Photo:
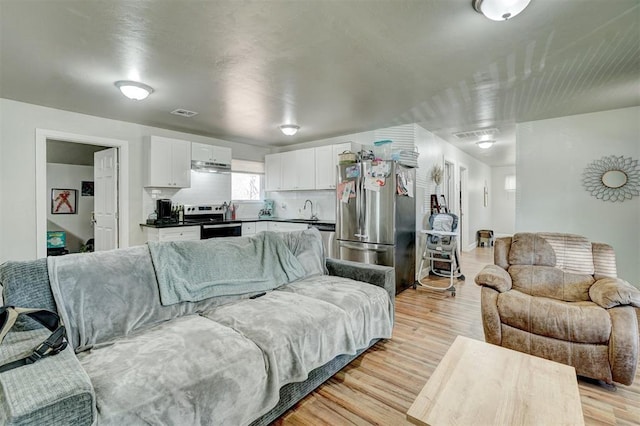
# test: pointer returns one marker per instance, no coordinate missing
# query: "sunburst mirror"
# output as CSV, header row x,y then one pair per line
x,y
613,178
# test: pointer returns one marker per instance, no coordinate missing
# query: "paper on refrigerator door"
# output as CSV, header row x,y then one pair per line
x,y
374,183
345,191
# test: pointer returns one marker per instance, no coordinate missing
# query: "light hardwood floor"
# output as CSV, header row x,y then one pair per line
x,y
380,386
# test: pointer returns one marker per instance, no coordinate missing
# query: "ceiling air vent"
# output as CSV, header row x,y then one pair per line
x,y
476,133
184,112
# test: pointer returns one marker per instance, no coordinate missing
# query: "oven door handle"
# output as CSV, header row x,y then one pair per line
x,y
224,225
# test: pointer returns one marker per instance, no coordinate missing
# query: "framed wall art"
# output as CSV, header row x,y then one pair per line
x,y
86,189
64,201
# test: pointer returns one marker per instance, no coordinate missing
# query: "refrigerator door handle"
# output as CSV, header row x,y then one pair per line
x,y
358,206
361,235
363,206
359,247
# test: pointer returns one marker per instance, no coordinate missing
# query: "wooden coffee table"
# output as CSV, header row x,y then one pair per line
x,y
477,383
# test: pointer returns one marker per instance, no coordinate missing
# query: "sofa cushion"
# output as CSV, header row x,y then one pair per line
x,y
26,285
580,322
589,360
546,281
307,247
186,371
604,261
53,391
295,332
368,307
109,294
570,253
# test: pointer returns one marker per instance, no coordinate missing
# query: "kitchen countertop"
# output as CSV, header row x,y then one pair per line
x,y
308,221
272,219
169,225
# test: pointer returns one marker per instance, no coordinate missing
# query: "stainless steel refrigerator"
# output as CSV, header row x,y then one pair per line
x,y
376,217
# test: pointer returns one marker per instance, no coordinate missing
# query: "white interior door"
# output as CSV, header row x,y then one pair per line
x,y
463,202
105,174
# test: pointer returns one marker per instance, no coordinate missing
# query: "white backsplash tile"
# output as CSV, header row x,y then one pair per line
x,y
290,204
206,188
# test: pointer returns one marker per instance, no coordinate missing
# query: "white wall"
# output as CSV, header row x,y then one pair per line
x,y
17,165
68,176
503,203
551,157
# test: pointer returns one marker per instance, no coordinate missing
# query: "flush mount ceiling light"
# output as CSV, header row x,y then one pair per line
x,y
289,129
500,10
133,89
485,144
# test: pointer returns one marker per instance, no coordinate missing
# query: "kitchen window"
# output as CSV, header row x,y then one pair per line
x,y
247,180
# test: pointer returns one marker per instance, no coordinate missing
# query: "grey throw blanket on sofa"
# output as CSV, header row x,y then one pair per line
x,y
190,271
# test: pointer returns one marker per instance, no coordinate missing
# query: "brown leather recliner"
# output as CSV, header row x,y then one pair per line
x,y
557,296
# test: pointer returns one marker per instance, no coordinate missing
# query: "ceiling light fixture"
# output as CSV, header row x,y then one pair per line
x,y
289,129
133,89
500,10
485,144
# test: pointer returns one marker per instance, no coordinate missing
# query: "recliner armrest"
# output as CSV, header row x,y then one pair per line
x,y
495,277
610,292
381,276
54,390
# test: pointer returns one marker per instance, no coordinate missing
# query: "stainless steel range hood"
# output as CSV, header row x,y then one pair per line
x,y
209,167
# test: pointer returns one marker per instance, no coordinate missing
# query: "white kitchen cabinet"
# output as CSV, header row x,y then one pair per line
x,y
273,172
250,228
298,169
289,174
168,162
325,168
177,233
210,153
286,226
327,161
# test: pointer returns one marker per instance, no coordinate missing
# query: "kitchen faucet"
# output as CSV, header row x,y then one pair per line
x,y
313,215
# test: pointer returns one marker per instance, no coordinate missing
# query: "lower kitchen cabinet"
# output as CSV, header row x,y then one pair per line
x,y
178,233
286,226
250,228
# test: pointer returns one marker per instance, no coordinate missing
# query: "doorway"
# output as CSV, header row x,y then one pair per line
x,y
71,183
61,147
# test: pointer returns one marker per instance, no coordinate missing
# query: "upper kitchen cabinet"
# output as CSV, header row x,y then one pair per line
x,y
290,171
168,162
327,161
210,153
299,169
273,172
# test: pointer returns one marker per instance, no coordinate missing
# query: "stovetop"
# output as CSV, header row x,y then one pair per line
x,y
204,213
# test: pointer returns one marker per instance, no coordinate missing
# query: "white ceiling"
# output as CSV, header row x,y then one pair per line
x,y
333,67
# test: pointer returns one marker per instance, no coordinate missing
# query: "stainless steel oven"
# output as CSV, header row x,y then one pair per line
x,y
211,220
217,230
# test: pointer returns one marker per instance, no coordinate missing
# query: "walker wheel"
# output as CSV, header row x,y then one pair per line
x,y
461,278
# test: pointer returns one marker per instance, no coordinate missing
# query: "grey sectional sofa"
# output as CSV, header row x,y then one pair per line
x,y
150,345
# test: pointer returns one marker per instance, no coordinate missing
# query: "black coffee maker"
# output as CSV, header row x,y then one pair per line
x,y
163,209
